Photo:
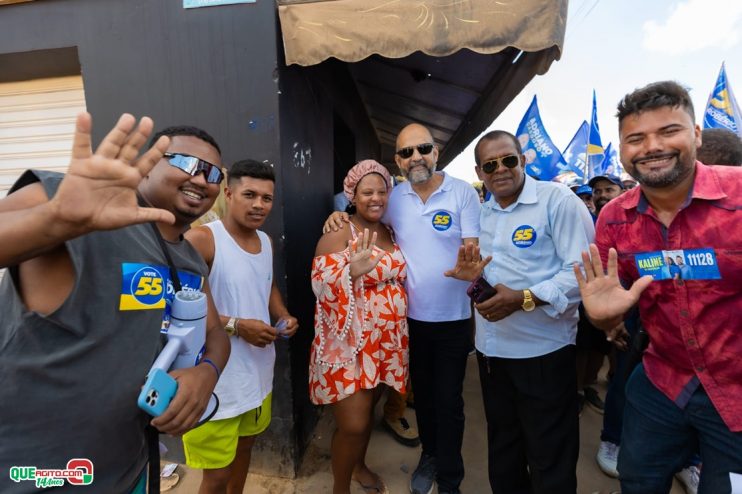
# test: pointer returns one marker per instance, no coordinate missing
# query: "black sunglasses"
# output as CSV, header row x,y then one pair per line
x,y
193,166
423,149
509,161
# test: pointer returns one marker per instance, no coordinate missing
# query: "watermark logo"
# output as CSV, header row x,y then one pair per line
x,y
79,471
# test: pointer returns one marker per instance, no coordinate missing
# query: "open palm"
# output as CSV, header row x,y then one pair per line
x,y
602,294
99,190
469,263
362,256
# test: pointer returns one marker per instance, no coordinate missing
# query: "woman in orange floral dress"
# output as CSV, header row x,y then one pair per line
x,y
360,324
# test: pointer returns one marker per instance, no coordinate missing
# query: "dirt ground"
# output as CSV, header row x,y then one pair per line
x,y
395,462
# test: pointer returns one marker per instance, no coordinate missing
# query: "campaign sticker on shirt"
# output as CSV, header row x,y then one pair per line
x,y
689,264
442,220
146,286
143,287
524,236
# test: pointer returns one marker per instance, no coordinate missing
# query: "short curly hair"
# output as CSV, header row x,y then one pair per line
x,y
654,96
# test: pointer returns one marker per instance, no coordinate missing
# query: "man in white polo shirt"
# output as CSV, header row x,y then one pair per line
x,y
431,214
534,231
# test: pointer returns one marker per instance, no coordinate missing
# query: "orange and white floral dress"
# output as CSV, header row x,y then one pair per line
x,y
361,333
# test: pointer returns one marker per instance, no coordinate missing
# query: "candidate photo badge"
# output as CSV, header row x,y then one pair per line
x,y
687,264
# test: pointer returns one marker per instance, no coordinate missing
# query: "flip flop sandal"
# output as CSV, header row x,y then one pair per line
x,y
378,488
167,483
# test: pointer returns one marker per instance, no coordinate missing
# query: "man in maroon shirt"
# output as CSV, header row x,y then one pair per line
x,y
687,394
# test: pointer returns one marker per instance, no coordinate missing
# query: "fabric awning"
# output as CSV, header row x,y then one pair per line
x,y
352,30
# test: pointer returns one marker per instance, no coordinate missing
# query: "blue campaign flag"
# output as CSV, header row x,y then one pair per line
x,y
722,110
611,163
595,151
542,156
574,168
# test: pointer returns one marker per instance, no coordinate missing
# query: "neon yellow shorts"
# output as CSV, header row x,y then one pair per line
x,y
214,444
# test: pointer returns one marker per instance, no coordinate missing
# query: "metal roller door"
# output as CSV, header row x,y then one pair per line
x,y
37,122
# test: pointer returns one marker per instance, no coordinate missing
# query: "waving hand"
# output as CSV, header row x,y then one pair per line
x,y
362,256
99,190
605,300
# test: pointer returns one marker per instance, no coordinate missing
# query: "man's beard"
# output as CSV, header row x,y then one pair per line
x,y
187,216
419,174
661,179
599,205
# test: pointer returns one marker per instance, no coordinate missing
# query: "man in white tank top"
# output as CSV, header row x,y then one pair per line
x,y
240,259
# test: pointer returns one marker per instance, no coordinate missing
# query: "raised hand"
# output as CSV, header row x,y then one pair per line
x,y
99,189
469,263
362,257
605,300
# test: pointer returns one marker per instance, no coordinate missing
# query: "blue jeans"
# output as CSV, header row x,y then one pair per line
x,y
659,437
615,398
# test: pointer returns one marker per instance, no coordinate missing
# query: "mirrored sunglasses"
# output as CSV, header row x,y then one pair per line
x,y
423,149
193,166
509,161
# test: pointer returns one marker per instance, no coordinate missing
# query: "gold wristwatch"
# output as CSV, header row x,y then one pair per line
x,y
231,327
528,303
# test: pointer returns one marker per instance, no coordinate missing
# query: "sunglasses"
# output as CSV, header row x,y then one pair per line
x,y
509,161
193,166
423,149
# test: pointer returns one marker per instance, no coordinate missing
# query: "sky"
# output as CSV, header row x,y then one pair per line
x,y
616,46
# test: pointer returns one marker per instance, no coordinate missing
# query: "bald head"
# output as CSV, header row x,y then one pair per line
x,y
416,130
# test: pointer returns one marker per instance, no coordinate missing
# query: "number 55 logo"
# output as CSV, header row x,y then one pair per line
x,y
147,286
524,236
442,221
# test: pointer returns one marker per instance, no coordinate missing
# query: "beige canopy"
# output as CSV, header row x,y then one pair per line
x,y
352,30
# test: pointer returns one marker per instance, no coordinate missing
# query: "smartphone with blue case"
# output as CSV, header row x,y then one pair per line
x,y
157,393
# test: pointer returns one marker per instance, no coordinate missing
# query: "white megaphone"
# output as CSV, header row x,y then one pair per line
x,y
186,337
186,334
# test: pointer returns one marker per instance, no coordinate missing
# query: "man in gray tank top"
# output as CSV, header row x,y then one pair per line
x,y
83,303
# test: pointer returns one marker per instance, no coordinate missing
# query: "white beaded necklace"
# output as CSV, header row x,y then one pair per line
x,y
343,333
